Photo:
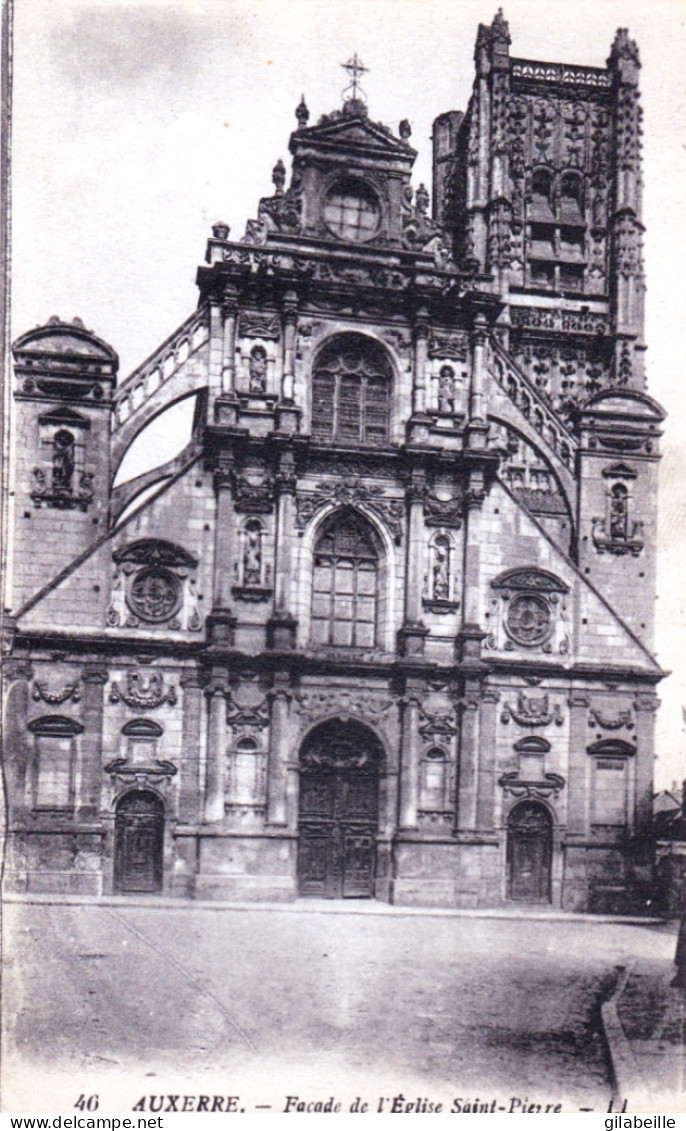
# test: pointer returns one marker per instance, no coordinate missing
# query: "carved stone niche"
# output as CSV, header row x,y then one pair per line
x,y
154,583
528,611
140,767
143,691
530,780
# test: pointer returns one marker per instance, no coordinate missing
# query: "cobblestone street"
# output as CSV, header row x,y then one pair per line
x,y
129,1000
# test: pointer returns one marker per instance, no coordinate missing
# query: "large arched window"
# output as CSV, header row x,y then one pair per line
x,y
345,583
351,392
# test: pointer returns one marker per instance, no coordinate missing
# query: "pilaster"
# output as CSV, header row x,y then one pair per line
x,y
94,678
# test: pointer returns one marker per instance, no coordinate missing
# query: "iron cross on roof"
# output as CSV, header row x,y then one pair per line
x,y
355,67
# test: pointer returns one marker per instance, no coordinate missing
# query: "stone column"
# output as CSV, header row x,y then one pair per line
x,y
646,704
94,679
224,533
278,751
17,672
473,502
282,624
229,312
409,756
414,632
215,782
487,759
189,780
468,746
421,334
290,319
477,405
577,793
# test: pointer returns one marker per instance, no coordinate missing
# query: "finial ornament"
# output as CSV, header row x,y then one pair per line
x,y
405,129
353,91
302,113
279,176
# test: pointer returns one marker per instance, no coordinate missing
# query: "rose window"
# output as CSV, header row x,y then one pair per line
x,y
351,211
529,619
154,594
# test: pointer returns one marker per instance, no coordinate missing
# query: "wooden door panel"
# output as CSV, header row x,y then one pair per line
x,y
530,864
358,863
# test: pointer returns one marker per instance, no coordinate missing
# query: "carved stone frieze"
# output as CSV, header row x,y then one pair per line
x,y
344,702
266,326
451,345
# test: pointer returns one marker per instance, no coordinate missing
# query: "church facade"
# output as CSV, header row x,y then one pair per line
x,y
384,628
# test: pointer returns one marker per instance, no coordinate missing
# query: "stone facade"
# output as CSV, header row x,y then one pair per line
x,y
384,628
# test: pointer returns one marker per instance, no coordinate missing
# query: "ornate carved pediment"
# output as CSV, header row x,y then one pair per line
x,y
538,580
348,493
155,551
265,325
131,773
532,712
548,786
254,493
443,512
143,692
611,722
239,717
437,725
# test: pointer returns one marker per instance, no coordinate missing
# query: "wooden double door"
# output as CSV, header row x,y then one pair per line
x,y
138,843
529,851
338,822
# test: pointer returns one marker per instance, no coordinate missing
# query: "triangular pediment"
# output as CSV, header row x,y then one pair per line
x,y
340,129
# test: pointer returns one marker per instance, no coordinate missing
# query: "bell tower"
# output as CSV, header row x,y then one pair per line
x,y
64,379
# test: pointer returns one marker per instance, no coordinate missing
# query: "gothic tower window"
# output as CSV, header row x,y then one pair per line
x,y
345,583
351,392
571,205
541,194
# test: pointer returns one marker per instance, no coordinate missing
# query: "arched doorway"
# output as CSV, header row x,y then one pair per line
x,y
338,811
529,852
138,842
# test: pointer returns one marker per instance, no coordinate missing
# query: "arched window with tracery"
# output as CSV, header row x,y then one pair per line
x,y
351,387
345,582
571,199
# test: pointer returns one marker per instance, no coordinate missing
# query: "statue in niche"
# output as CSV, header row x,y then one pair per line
x,y
446,389
619,514
252,554
441,570
258,369
63,461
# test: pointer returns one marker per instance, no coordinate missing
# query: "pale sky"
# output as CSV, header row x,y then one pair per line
x,y
138,125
